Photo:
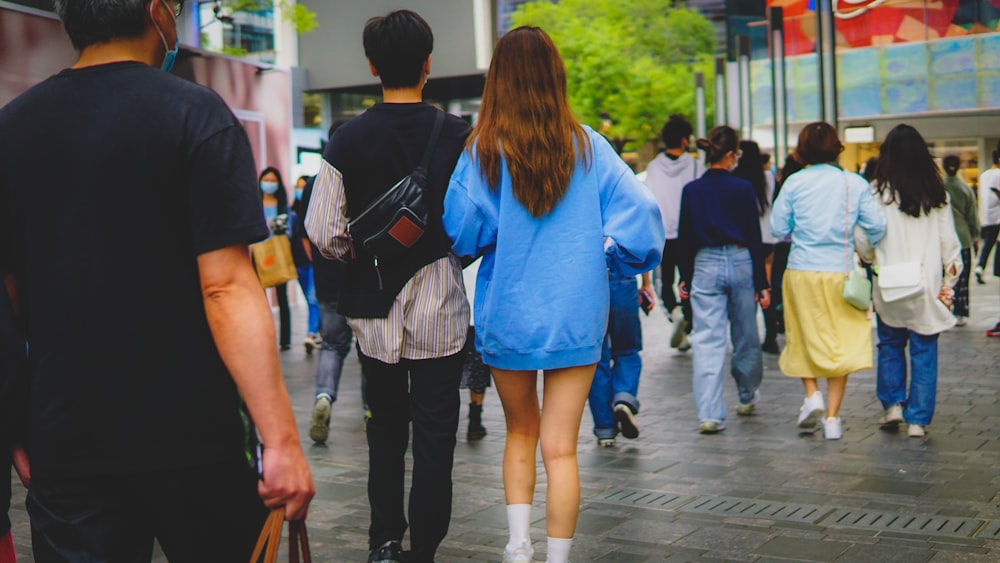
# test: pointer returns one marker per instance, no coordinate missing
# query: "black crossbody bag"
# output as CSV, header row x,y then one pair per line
x,y
398,218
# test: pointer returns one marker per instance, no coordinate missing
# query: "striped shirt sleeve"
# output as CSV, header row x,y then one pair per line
x,y
326,221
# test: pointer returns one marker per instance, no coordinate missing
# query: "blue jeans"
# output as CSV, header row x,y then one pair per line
x,y
722,292
891,386
336,345
616,379
309,289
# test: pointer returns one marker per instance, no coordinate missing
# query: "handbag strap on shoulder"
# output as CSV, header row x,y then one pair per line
x,y
847,213
425,162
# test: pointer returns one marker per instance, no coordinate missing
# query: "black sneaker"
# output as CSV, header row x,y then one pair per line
x,y
626,421
390,552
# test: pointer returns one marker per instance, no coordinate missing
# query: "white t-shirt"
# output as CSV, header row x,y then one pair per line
x,y
989,200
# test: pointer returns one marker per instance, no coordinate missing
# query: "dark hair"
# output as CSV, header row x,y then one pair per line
x,y
906,171
792,165
871,165
721,141
89,22
525,121
281,194
398,44
951,164
676,129
818,144
765,158
751,168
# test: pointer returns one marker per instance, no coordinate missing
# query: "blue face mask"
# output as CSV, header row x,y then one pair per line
x,y
298,193
269,188
171,56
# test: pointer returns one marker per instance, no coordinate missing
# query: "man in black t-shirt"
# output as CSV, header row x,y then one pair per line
x,y
126,236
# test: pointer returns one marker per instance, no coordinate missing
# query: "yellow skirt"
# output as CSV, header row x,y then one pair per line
x,y
824,335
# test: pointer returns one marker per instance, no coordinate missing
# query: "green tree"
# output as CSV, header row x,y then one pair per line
x,y
632,60
302,18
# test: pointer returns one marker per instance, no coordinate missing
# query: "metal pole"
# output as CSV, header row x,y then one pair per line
x,y
746,110
720,91
776,42
826,53
699,107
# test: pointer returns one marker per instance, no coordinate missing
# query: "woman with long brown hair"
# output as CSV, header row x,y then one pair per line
x,y
551,208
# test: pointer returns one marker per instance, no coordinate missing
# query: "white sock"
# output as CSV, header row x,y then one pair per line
x,y
518,522
558,550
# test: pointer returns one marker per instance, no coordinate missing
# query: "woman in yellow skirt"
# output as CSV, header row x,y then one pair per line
x,y
825,337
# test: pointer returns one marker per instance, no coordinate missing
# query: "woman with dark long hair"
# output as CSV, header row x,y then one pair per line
x,y
275,200
722,269
910,296
825,337
550,207
751,168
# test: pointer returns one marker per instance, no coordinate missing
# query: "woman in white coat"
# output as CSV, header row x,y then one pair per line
x,y
911,295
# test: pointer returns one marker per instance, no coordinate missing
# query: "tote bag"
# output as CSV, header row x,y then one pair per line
x,y
273,260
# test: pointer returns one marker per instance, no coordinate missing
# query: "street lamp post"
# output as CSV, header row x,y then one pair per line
x,y
776,44
746,111
826,55
720,91
699,106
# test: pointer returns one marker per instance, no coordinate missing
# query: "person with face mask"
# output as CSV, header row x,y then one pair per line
x,y
721,260
275,201
141,433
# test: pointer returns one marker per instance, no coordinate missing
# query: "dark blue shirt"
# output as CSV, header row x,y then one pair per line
x,y
719,209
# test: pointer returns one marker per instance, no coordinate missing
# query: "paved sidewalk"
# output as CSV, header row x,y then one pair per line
x,y
759,491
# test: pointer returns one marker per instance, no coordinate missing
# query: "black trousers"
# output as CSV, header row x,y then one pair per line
x,y
961,288
667,267
284,316
210,513
989,235
774,318
426,393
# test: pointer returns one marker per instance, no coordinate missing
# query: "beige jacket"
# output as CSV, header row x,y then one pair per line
x,y
929,239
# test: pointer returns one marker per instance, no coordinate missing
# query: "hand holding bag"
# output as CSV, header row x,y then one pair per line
x,y
270,538
272,258
857,288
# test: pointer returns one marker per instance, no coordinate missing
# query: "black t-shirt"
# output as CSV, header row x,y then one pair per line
x,y
372,152
115,178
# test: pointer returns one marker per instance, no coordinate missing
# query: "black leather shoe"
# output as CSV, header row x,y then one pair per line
x,y
390,552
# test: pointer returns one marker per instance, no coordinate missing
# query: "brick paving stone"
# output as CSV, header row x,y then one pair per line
x,y
952,472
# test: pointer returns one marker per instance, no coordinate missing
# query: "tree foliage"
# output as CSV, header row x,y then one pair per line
x,y
302,18
631,60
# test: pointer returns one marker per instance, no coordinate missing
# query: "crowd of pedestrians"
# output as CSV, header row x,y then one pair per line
x,y
531,215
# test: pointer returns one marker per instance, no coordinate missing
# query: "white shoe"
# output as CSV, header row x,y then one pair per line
x,y
916,431
680,331
685,344
832,428
811,411
521,554
961,321
893,416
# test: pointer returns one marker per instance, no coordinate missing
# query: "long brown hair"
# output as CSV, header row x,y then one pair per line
x,y
525,119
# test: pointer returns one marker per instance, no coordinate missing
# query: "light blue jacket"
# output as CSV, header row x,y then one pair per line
x,y
811,207
542,292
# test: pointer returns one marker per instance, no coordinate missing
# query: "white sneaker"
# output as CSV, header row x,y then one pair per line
x,y
893,416
685,344
916,431
961,321
680,331
832,428
521,554
811,411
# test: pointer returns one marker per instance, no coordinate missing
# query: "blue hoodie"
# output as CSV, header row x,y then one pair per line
x,y
542,293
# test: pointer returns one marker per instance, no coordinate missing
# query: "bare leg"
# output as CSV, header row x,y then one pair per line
x,y
519,397
835,388
476,398
810,384
565,395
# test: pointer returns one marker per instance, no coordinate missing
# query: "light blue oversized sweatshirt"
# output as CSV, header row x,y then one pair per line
x,y
542,292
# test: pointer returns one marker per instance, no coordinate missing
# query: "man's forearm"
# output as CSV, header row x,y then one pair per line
x,y
243,330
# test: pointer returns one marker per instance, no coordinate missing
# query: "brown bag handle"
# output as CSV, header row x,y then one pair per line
x,y
270,538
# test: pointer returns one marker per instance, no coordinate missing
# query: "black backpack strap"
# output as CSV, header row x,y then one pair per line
x,y
435,132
